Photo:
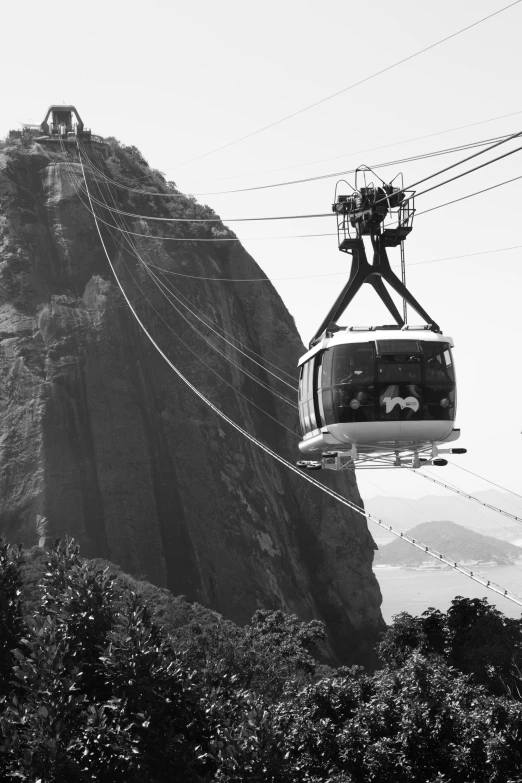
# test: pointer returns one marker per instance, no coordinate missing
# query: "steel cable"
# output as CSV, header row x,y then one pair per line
x,y
350,87
467,495
410,159
267,361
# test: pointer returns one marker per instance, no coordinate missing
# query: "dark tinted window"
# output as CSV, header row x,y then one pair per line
x,y
397,346
398,361
438,363
352,364
326,368
306,392
353,404
439,402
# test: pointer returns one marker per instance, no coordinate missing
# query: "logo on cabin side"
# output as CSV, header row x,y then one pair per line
x,y
404,402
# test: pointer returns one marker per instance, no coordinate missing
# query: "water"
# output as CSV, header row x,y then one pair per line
x,y
413,591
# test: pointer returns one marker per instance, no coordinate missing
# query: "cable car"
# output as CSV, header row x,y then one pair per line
x,y
376,396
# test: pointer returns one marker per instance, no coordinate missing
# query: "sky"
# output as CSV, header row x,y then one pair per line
x,y
179,80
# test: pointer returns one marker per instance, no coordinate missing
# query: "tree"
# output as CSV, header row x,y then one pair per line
x,y
472,636
11,614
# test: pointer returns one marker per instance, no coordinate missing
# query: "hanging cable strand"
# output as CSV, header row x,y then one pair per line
x,y
359,152
198,357
160,285
212,345
482,478
292,377
470,195
410,159
214,331
266,361
339,498
216,219
331,214
350,87
466,495
300,236
385,199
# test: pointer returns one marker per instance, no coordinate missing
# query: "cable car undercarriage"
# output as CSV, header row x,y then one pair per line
x,y
376,396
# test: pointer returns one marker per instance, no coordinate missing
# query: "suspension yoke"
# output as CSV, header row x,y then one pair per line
x,y
363,214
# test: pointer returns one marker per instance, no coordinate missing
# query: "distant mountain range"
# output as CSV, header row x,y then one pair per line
x,y
457,541
405,513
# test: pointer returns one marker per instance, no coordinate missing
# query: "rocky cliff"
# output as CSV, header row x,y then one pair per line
x,y
100,440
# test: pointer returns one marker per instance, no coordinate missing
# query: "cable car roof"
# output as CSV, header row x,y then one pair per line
x,y
358,334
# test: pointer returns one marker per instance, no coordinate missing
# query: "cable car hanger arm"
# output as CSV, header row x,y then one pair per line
x,y
364,272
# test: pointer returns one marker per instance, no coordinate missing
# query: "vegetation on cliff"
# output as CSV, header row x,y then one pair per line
x,y
104,678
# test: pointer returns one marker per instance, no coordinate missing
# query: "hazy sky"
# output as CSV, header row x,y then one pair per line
x,y
180,79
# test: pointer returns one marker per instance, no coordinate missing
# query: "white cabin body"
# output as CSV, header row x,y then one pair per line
x,y
377,389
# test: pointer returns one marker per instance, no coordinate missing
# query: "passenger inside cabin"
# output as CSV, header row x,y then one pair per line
x,y
362,374
436,371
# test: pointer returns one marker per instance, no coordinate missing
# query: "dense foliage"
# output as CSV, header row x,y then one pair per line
x,y
105,678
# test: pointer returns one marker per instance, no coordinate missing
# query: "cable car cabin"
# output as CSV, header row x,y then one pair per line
x,y
377,391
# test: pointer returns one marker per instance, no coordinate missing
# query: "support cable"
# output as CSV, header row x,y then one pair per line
x,y
197,355
344,501
350,87
354,152
504,489
470,195
229,359
331,214
466,495
293,236
190,309
162,285
410,159
198,318
214,347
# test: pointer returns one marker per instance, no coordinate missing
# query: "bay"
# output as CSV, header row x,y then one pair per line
x,y
414,591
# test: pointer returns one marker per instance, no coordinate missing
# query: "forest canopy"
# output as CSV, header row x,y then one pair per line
x,y
106,678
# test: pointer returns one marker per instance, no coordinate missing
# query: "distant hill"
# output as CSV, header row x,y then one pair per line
x,y
451,539
405,513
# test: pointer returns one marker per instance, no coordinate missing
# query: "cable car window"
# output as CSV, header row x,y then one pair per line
x,y
306,402
327,405
448,358
320,406
326,368
439,402
353,404
438,363
352,364
397,346
306,381
399,368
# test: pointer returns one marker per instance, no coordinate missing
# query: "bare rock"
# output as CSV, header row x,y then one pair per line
x,y
100,440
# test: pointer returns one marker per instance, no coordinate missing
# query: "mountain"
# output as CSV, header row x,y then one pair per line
x,y
404,514
100,440
461,543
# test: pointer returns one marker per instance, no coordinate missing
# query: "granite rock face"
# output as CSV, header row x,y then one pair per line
x,y
100,440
